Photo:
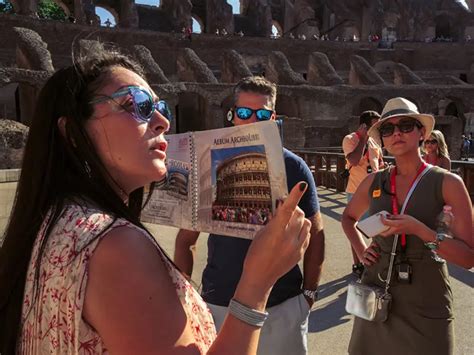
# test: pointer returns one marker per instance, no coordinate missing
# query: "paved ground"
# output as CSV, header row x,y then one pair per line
x,y
330,325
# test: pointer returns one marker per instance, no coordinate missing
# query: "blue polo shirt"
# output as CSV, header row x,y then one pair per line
x,y
226,254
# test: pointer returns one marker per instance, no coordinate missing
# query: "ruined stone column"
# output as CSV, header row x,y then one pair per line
x,y
128,14
31,53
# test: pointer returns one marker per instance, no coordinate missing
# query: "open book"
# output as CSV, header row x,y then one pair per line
x,y
224,181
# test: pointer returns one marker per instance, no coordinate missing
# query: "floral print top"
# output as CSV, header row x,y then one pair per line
x,y
52,320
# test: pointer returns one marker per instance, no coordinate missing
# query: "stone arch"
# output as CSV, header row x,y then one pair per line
x,y
444,26
451,106
191,112
365,104
197,20
10,102
454,107
111,15
237,10
277,26
111,6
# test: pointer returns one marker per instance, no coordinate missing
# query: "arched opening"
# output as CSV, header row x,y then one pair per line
x,y
108,17
277,31
10,102
237,6
443,28
191,111
149,2
451,110
198,25
366,104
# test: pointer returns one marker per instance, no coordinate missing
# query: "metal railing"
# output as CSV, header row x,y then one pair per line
x,y
327,167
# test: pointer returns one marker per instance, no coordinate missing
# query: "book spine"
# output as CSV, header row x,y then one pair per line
x,y
194,183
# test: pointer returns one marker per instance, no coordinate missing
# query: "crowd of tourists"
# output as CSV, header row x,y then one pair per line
x,y
80,273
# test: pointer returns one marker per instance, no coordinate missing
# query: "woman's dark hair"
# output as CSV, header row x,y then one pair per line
x,y
367,117
57,169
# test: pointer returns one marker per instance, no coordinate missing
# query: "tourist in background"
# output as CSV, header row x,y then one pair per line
x,y
436,151
420,320
79,273
292,297
465,147
363,156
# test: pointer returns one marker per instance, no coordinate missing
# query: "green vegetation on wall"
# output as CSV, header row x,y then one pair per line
x,y
47,9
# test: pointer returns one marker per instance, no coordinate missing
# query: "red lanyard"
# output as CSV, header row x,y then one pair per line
x,y
393,190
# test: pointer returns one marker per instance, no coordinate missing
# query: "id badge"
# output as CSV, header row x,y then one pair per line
x,y
404,273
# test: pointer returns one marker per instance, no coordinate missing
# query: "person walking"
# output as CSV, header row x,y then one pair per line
x,y
363,156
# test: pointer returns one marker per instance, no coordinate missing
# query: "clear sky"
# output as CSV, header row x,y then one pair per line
x,y
104,14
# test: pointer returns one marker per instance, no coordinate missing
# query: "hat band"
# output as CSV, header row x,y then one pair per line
x,y
399,111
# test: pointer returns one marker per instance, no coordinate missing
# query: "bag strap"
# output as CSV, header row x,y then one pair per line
x,y
402,211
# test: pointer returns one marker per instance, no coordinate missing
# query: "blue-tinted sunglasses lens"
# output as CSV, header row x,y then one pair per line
x,y
243,113
163,108
264,115
143,104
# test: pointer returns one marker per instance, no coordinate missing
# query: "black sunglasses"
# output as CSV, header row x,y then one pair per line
x,y
431,141
404,126
244,113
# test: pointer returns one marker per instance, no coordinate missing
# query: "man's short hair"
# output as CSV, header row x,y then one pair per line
x,y
258,85
367,117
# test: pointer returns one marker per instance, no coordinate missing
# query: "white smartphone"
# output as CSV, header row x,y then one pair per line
x,y
372,226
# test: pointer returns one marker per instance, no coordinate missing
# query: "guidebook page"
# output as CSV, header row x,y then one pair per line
x,y
172,202
241,175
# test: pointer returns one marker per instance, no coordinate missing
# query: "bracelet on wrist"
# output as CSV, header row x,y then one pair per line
x,y
246,314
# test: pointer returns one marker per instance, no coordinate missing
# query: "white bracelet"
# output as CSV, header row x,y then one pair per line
x,y
246,314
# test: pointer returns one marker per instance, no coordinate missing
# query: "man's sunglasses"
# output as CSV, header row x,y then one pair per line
x,y
431,141
244,113
404,126
143,105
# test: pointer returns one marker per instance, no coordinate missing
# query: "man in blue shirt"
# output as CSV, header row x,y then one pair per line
x,y
291,299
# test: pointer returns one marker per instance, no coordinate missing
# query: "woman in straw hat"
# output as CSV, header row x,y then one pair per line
x,y
420,318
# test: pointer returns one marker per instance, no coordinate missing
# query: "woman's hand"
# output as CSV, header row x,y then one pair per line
x,y
371,255
280,244
401,223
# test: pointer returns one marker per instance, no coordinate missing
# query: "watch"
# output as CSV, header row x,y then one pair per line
x,y
311,294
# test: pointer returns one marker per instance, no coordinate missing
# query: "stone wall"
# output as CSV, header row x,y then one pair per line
x,y
318,110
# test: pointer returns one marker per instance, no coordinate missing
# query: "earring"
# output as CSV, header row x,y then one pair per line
x,y
230,115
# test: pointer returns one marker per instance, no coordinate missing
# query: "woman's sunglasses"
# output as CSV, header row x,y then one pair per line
x,y
244,113
431,141
404,126
143,105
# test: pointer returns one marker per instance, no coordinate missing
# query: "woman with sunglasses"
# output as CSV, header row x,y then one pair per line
x,y
436,150
420,320
79,273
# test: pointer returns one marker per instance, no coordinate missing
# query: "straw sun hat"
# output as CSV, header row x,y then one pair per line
x,y
401,107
